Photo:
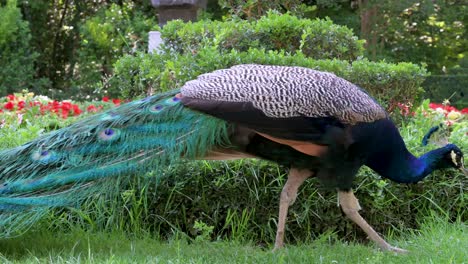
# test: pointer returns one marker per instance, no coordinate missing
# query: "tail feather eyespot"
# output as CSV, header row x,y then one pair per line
x,y
109,135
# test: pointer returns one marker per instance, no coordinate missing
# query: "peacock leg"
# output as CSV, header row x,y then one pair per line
x,y
350,205
288,196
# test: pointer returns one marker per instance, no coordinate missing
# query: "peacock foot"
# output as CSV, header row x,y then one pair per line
x,y
279,245
396,250
277,248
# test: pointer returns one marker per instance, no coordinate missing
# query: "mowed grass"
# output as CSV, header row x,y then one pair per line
x,y
436,242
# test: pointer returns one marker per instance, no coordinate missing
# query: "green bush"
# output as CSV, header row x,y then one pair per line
x,y
136,75
318,39
191,49
113,31
255,9
17,69
453,87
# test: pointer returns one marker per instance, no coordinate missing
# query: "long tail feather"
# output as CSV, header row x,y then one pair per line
x,y
66,166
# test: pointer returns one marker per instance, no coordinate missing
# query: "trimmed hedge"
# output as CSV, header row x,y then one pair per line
x,y
388,83
318,39
441,87
191,49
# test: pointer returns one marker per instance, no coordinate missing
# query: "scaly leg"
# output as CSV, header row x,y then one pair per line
x,y
288,196
350,206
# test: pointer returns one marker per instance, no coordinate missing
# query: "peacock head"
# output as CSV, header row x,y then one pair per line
x,y
453,158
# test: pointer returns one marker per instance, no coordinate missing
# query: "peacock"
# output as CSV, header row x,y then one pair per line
x,y
317,124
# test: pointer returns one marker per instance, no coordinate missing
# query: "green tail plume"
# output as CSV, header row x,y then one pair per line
x,y
66,166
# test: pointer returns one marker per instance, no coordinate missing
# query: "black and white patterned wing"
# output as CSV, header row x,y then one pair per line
x,y
290,102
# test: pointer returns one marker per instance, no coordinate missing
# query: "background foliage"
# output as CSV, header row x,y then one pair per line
x,y
68,48
16,55
319,39
75,43
147,73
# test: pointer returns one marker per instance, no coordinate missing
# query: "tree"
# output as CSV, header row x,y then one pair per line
x,y
427,31
16,55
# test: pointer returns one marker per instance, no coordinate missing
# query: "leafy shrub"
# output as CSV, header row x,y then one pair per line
x,y
318,39
17,69
389,83
139,75
256,9
453,87
111,32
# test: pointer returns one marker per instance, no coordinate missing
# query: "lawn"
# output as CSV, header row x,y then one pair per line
x,y
436,242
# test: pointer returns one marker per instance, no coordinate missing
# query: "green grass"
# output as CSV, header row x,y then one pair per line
x,y
436,242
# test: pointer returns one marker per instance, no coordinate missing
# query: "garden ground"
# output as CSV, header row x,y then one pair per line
x,y
436,242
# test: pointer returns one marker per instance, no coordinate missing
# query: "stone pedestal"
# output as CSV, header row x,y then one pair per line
x,y
154,41
187,10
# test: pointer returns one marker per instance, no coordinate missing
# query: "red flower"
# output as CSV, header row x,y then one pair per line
x,y
105,99
64,114
435,106
35,103
92,109
11,97
54,106
43,108
9,105
76,110
21,105
450,108
465,111
66,106
446,108
117,101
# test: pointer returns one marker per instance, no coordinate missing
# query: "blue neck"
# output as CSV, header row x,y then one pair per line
x,y
389,156
404,167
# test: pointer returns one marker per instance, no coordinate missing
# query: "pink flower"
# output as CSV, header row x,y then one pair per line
x,y
20,119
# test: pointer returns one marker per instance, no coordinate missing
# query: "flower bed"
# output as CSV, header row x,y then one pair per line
x,y
31,105
445,113
451,113
21,106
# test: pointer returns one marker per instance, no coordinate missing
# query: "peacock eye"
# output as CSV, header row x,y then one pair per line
x,y
44,156
109,135
156,108
173,100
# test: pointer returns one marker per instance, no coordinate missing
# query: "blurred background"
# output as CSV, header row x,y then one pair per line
x,y
68,49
